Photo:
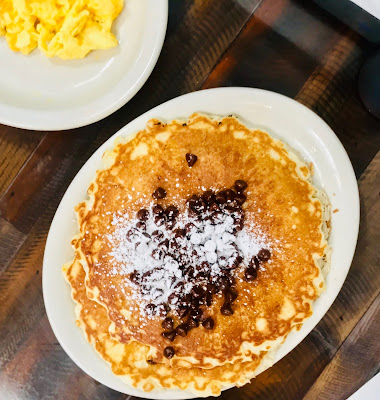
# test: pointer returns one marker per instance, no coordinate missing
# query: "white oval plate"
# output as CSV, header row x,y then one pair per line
x,y
278,115
53,94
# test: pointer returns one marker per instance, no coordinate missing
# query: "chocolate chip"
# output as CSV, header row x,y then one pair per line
x,y
208,196
191,159
231,280
174,245
159,220
264,255
213,207
217,216
182,330
240,199
208,299
151,308
237,261
186,299
232,206
192,203
158,254
198,206
220,197
130,234
192,323
164,244
240,185
190,273
208,323
173,298
159,193
230,195
183,311
169,335
179,285
134,276
169,352
143,214
196,312
194,302
170,224
226,309
163,309
141,225
147,274
157,209
238,225
198,292
211,288
157,236
223,283
250,274
205,267
179,233
167,324
151,362
172,212
254,263
190,227
230,296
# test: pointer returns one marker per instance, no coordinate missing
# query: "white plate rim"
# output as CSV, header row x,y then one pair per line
x,y
325,134
36,120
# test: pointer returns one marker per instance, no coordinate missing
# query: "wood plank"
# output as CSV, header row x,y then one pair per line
x,y
10,241
359,131
16,146
292,377
27,189
331,92
359,355
278,49
42,360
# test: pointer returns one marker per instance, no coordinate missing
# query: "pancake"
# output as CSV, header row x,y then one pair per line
x,y
129,361
274,231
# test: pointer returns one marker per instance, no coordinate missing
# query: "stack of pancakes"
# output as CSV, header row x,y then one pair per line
x,y
240,257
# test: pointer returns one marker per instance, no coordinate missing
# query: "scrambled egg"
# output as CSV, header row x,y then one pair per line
x,y
64,28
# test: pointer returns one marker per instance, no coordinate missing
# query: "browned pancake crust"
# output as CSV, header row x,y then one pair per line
x,y
280,202
130,360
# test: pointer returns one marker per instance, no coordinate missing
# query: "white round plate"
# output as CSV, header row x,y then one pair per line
x,y
278,115
43,93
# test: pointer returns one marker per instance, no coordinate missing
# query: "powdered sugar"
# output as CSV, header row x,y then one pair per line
x,y
162,256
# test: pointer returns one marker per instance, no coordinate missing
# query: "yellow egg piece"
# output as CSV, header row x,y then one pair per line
x,y
68,29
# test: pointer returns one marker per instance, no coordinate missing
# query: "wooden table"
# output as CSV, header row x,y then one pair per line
x,y
288,46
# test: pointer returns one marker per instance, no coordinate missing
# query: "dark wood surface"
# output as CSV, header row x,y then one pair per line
x,y
288,46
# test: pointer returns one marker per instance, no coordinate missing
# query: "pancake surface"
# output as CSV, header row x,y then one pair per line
x,y
129,361
279,230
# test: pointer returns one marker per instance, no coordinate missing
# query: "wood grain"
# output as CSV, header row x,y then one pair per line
x,y
359,355
10,241
15,148
271,53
